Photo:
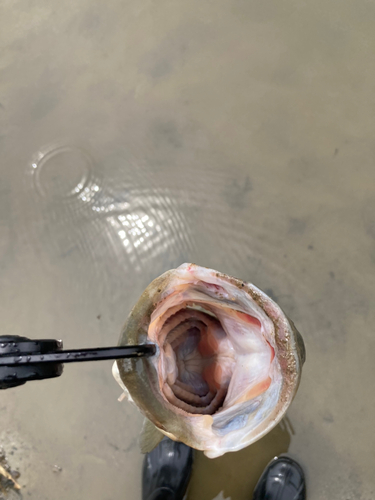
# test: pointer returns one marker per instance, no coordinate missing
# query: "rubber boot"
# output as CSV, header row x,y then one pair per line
x,y
166,471
282,479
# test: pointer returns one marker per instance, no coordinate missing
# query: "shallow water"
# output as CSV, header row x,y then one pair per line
x,y
138,136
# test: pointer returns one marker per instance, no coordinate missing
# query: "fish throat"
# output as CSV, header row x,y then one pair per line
x,y
198,359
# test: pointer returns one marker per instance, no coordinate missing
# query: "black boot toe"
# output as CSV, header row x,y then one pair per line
x,y
166,471
283,479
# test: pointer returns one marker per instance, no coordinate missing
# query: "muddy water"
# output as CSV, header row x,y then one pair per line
x,y
135,136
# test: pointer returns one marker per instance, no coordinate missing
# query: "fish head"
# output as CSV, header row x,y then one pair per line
x,y
227,365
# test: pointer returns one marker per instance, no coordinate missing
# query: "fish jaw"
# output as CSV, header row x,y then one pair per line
x,y
255,362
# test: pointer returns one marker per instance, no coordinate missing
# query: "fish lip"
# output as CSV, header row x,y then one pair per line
x,y
141,377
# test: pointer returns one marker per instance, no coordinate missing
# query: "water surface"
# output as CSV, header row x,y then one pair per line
x,y
138,136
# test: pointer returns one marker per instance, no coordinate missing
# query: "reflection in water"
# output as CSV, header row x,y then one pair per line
x,y
126,224
146,235
235,475
134,228
139,234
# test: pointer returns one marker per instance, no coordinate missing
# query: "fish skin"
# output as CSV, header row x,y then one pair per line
x,y
140,376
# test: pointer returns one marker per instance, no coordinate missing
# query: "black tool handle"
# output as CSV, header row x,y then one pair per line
x,y
23,359
78,355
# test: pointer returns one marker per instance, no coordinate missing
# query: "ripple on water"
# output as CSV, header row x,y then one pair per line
x,y
61,171
105,226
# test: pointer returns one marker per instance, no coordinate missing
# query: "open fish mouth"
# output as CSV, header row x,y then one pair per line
x,y
228,362
214,357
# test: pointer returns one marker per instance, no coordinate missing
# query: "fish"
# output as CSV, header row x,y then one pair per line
x,y
228,361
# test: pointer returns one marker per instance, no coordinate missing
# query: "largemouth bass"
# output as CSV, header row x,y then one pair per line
x,y
227,366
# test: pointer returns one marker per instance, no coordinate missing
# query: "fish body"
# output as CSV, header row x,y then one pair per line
x,y
228,361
